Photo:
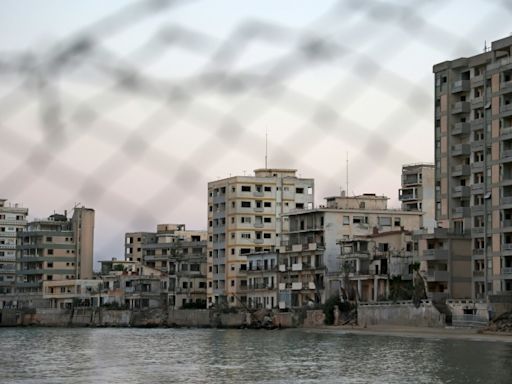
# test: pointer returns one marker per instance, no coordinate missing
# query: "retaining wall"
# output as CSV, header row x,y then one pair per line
x,y
401,313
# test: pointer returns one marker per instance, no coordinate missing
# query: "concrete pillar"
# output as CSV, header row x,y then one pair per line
x,y
359,288
375,288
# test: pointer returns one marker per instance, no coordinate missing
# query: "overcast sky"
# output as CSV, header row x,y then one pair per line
x,y
132,109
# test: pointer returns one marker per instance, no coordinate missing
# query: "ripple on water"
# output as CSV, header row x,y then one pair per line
x,y
87,355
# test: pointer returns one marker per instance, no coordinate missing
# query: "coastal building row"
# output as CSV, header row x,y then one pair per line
x,y
267,245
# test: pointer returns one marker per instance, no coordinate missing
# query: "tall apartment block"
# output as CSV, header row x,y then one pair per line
x,y
181,255
12,220
53,249
418,192
473,158
245,215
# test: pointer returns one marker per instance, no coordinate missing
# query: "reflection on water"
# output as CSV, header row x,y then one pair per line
x,y
46,355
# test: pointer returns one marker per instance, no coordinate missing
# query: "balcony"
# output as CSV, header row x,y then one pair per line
x,y
411,179
478,273
460,107
297,267
506,271
461,129
436,254
506,155
438,276
407,197
461,212
461,191
461,170
477,230
460,86
297,286
507,247
461,150
506,110
506,200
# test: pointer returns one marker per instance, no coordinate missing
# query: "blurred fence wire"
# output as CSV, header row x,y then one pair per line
x,y
135,117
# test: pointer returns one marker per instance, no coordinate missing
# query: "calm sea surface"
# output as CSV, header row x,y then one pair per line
x,y
106,355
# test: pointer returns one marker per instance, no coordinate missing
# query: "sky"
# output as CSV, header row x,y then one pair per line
x,y
131,108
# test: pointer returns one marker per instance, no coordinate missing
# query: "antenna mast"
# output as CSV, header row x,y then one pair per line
x,y
266,148
347,173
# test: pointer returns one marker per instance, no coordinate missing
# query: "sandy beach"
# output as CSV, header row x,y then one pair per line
x,y
419,332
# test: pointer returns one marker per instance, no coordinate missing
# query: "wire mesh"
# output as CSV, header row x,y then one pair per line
x,y
133,114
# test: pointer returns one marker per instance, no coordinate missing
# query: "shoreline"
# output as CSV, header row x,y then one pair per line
x,y
454,333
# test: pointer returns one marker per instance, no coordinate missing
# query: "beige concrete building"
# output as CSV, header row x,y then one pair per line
x,y
369,262
418,192
180,254
311,255
444,264
133,242
72,293
13,219
53,249
473,154
261,280
245,215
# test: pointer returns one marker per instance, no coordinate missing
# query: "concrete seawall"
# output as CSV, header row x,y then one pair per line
x,y
99,317
400,313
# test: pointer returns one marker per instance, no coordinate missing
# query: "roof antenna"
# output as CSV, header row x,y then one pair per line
x,y
266,148
347,173
485,45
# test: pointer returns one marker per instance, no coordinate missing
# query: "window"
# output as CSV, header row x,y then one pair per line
x,y
268,189
202,284
397,222
299,190
48,239
245,219
267,236
232,283
346,220
267,219
384,221
245,251
50,252
194,267
246,188
245,204
267,204
383,247
49,264
360,220
299,205
245,235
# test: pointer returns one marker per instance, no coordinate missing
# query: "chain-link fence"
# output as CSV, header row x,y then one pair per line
x,y
133,114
